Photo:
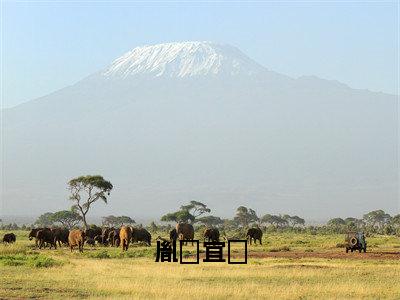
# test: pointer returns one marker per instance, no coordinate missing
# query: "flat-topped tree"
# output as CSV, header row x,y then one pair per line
x,y
45,220
112,221
210,221
187,213
244,216
196,208
67,218
180,216
377,218
86,190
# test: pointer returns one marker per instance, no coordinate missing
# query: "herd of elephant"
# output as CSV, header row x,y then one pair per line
x,y
117,237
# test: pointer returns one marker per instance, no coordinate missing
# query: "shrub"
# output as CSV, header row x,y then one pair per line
x,y
137,253
100,255
186,253
42,261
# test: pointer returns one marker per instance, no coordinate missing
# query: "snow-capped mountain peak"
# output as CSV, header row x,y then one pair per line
x,y
183,59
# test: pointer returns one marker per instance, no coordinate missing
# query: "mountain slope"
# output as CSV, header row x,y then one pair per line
x,y
175,122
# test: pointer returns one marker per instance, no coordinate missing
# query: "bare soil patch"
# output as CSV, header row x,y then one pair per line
x,y
327,255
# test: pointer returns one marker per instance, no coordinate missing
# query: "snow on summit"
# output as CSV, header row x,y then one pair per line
x,y
182,60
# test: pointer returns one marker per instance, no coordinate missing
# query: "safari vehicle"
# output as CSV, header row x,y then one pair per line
x,y
356,241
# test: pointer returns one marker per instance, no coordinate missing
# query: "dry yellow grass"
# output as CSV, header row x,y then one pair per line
x,y
82,276
262,278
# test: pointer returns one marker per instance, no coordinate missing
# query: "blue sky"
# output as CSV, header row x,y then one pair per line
x,y
49,45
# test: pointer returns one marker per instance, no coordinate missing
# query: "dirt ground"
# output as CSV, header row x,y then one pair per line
x,y
376,255
328,255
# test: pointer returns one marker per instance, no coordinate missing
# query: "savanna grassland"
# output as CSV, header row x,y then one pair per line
x,y
286,266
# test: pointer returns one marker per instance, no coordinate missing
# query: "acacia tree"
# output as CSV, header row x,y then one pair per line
x,y
336,222
179,216
196,208
275,220
67,218
210,221
187,213
294,220
377,218
45,220
153,227
112,221
396,220
354,224
86,190
244,216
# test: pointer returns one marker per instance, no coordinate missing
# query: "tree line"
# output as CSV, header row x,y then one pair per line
x,y
87,190
377,221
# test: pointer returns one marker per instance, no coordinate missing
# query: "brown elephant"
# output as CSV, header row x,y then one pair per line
x,y
185,232
125,234
76,238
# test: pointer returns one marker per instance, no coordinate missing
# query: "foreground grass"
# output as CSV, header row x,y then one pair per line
x,y
105,272
264,278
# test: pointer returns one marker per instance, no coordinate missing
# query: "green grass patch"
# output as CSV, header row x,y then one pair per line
x,y
137,253
35,260
100,254
118,254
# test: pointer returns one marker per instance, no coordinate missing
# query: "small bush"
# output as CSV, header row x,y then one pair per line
x,y
118,254
137,253
186,253
100,255
42,261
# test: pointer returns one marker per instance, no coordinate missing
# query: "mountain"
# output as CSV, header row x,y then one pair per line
x,y
174,122
183,60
